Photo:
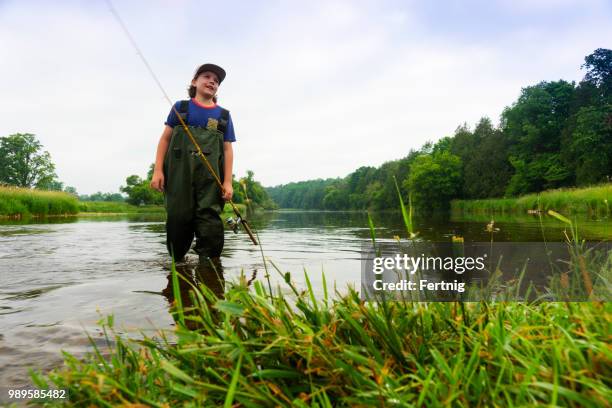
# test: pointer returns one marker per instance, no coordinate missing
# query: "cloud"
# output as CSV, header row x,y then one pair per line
x,y
315,89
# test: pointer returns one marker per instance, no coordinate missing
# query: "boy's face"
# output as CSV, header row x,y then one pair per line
x,y
206,84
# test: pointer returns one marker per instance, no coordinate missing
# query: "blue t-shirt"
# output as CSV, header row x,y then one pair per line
x,y
198,115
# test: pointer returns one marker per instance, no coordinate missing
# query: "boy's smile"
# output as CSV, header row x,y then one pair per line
x,y
206,84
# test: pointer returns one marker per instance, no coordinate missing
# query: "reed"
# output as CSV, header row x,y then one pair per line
x,y
590,200
265,350
290,347
17,202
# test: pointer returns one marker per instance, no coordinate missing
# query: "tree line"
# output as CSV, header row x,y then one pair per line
x,y
557,134
246,190
24,163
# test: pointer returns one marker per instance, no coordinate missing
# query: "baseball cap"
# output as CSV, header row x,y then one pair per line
x,y
220,72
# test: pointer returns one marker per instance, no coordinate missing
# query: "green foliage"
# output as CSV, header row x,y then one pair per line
x,y
139,191
71,190
239,194
555,135
533,126
255,192
24,164
51,185
434,180
443,145
258,349
25,202
100,196
599,72
590,147
336,197
484,154
592,200
366,188
307,195
255,347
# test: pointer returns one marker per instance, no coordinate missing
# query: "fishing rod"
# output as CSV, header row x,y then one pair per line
x,y
235,223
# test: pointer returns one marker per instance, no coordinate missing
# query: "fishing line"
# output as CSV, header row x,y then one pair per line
x,y
140,54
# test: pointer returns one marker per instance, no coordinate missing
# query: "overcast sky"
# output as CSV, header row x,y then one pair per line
x,y
316,89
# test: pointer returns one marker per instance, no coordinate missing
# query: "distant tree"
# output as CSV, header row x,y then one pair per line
x,y
139,191
464,142
23,163
443,145
556,134
336,197
599,71
381,193
533,126
434,180
587,140
239,197
591,144
303,194
255,191
365,188
71,190
52,185
113,197
484,154
100,196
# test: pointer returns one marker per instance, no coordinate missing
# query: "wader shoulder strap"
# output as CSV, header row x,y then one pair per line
x,y
223,120
184,110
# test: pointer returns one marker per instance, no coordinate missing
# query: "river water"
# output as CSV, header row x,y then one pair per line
x,y
60,277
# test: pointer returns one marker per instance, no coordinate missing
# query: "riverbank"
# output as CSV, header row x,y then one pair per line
x,y
105,208
20,203
256,347
16,202
594,201
116,207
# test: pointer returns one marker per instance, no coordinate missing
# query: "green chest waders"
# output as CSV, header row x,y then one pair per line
x,y
193,198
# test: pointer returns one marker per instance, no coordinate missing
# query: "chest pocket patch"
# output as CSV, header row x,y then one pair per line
x,y
212,124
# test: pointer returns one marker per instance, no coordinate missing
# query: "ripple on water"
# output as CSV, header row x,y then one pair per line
x,y
7,310
22,231
30,294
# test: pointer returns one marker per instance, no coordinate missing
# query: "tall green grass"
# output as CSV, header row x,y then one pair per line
x,y
24,202
594,200
261,349
289,347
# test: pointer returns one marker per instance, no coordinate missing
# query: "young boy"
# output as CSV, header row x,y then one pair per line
x,y
193,198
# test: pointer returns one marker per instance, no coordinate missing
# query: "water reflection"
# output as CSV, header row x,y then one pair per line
x,y
208,274
68,219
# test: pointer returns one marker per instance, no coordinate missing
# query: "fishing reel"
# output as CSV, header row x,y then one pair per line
x,y
234,223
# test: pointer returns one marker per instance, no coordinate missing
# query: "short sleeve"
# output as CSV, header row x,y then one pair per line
x,y
172,119
229,135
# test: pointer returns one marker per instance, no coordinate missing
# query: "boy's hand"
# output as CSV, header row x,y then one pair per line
x,y
157,182
228,191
